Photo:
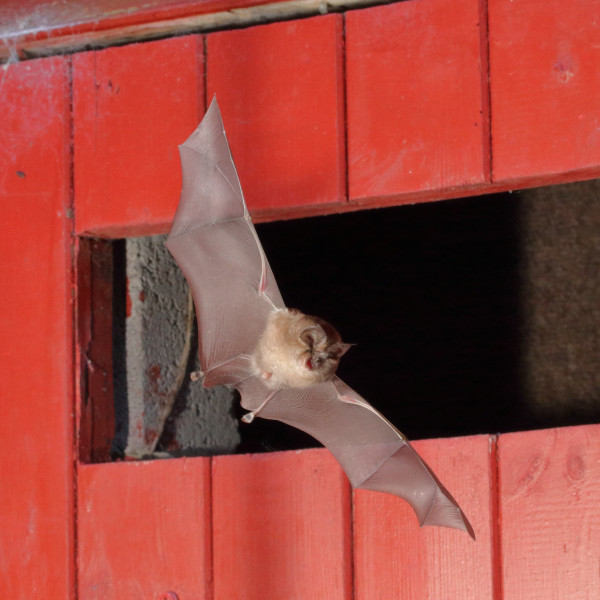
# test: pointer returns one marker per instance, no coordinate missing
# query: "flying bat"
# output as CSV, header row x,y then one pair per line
x,y
282,361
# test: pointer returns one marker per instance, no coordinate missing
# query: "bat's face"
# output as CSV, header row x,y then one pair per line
x,y
322,349
297,350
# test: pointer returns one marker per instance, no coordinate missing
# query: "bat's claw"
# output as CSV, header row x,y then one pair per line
x,y
196,375
248,417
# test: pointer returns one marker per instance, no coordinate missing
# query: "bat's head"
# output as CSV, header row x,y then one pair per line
x,y
297,350
322,350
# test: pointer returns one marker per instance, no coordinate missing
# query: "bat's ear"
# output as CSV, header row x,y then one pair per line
x,y
313,335
340,349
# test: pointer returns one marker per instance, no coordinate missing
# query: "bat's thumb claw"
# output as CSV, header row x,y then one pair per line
x,y
248,417
195,375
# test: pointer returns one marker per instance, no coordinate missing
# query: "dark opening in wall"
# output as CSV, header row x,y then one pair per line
x,y
430,295
469,316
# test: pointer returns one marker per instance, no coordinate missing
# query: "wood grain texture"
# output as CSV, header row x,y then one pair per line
x,y
394,558
38,18
544,86
549,499
133,105
36,313
280,90
144,530
32,27
95,283
414,96
281,525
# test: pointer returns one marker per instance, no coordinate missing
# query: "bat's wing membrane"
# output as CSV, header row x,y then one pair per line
x,y
215,244
373,453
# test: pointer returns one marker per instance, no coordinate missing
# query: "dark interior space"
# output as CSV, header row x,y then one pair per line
x,y
121,406
429,294
468,316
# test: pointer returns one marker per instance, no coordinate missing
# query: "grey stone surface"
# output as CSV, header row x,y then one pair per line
x,y
157,328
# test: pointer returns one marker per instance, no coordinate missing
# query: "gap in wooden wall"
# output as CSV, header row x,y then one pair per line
x,y
469,316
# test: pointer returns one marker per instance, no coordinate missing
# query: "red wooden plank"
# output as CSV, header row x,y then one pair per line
x,y
144,530
544,86
415,101
281,525
132,106
396,559
95,280
549,499
279,87
36,468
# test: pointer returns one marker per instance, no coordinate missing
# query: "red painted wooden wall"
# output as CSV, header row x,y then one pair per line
x,y
414,101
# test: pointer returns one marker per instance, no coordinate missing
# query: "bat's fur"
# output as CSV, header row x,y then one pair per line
x,y
297,350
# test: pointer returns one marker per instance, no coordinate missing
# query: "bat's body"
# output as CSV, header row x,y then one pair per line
x,y
296,350
282,361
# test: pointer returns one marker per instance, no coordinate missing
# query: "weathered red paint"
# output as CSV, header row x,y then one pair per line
x,y
394,558
281,527
282,522
280,89
132,107
36,315
414,93
549,498
544,86
36,26
144,529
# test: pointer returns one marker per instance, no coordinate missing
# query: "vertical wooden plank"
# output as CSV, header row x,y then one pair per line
x,y
544,86
36,468
415,103
394,558
95,278
279,87
133,105
281,525
549,499
144,530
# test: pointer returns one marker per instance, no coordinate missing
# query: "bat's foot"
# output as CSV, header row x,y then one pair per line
x,y
196,375
248,417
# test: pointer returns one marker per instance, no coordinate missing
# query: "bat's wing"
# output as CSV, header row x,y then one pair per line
x,y
372,452
215,244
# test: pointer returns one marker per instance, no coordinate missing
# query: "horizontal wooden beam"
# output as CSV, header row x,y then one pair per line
x,y
313,210
103,28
